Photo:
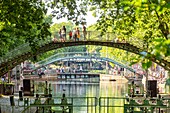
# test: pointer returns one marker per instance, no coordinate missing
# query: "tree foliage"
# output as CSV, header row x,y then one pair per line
x,y
139,19
22,21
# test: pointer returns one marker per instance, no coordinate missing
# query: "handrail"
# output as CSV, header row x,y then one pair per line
x,y
90,36
66,54
88,57
102,103
24,52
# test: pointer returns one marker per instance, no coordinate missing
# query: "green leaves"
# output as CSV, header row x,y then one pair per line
x,y
25,20
71,9
22,21
167,82
146,64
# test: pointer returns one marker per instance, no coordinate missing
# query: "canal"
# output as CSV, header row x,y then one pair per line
x,y
78,90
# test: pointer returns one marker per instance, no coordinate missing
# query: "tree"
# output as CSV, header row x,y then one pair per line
x,y
143,19
23,21
20,22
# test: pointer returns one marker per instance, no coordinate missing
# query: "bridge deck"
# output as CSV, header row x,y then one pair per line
x,y
80,74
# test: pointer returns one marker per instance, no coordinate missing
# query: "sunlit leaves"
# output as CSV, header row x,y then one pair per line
x,y
23,21
140,19
162,47
168,82
71,9
146,64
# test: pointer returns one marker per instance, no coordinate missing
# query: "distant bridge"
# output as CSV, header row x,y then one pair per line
x,y
83,56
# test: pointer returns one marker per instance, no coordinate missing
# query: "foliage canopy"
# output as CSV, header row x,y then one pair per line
x,y
25,20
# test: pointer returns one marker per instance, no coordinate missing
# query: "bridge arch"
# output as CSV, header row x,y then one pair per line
x,y
124,46
97,58
51,45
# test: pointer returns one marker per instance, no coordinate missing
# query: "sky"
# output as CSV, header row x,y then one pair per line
x,y
89,19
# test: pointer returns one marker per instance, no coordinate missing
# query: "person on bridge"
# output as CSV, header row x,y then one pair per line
x,y
78,34
84,32
74,34
63,32
70,35
60,35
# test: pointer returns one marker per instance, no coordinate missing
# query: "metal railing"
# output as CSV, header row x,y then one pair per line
x,y
88,105
90,36
80,55
112,104
72,54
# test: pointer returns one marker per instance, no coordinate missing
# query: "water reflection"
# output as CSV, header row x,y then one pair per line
x,y
75,89
84,89
112,89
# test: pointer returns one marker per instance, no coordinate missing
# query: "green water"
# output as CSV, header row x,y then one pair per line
x,y
98,90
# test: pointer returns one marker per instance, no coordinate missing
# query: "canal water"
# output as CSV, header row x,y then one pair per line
x,y
99,91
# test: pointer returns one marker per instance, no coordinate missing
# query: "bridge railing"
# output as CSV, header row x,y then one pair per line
x,y
76,54
66,54
22,49
90,36
80,55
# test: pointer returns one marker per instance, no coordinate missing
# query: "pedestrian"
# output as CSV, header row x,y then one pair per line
x,y
63,32
60,35
74,34
84,32
81,69
70,35
78,34
54,39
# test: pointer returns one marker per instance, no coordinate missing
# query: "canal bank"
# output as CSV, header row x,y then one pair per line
x,y
103,97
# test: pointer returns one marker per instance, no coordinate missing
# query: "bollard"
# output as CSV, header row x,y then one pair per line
x,y
20,96
46,90
49,87
12,100
37,100
51,100
26,101
21,88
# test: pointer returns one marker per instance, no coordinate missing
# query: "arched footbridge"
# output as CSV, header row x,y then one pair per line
x,y
83,56
23,52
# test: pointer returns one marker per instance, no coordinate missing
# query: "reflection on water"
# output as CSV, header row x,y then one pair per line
x,y
76,89
83,89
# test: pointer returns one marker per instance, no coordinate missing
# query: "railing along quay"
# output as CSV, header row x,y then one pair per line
x,y
88,105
